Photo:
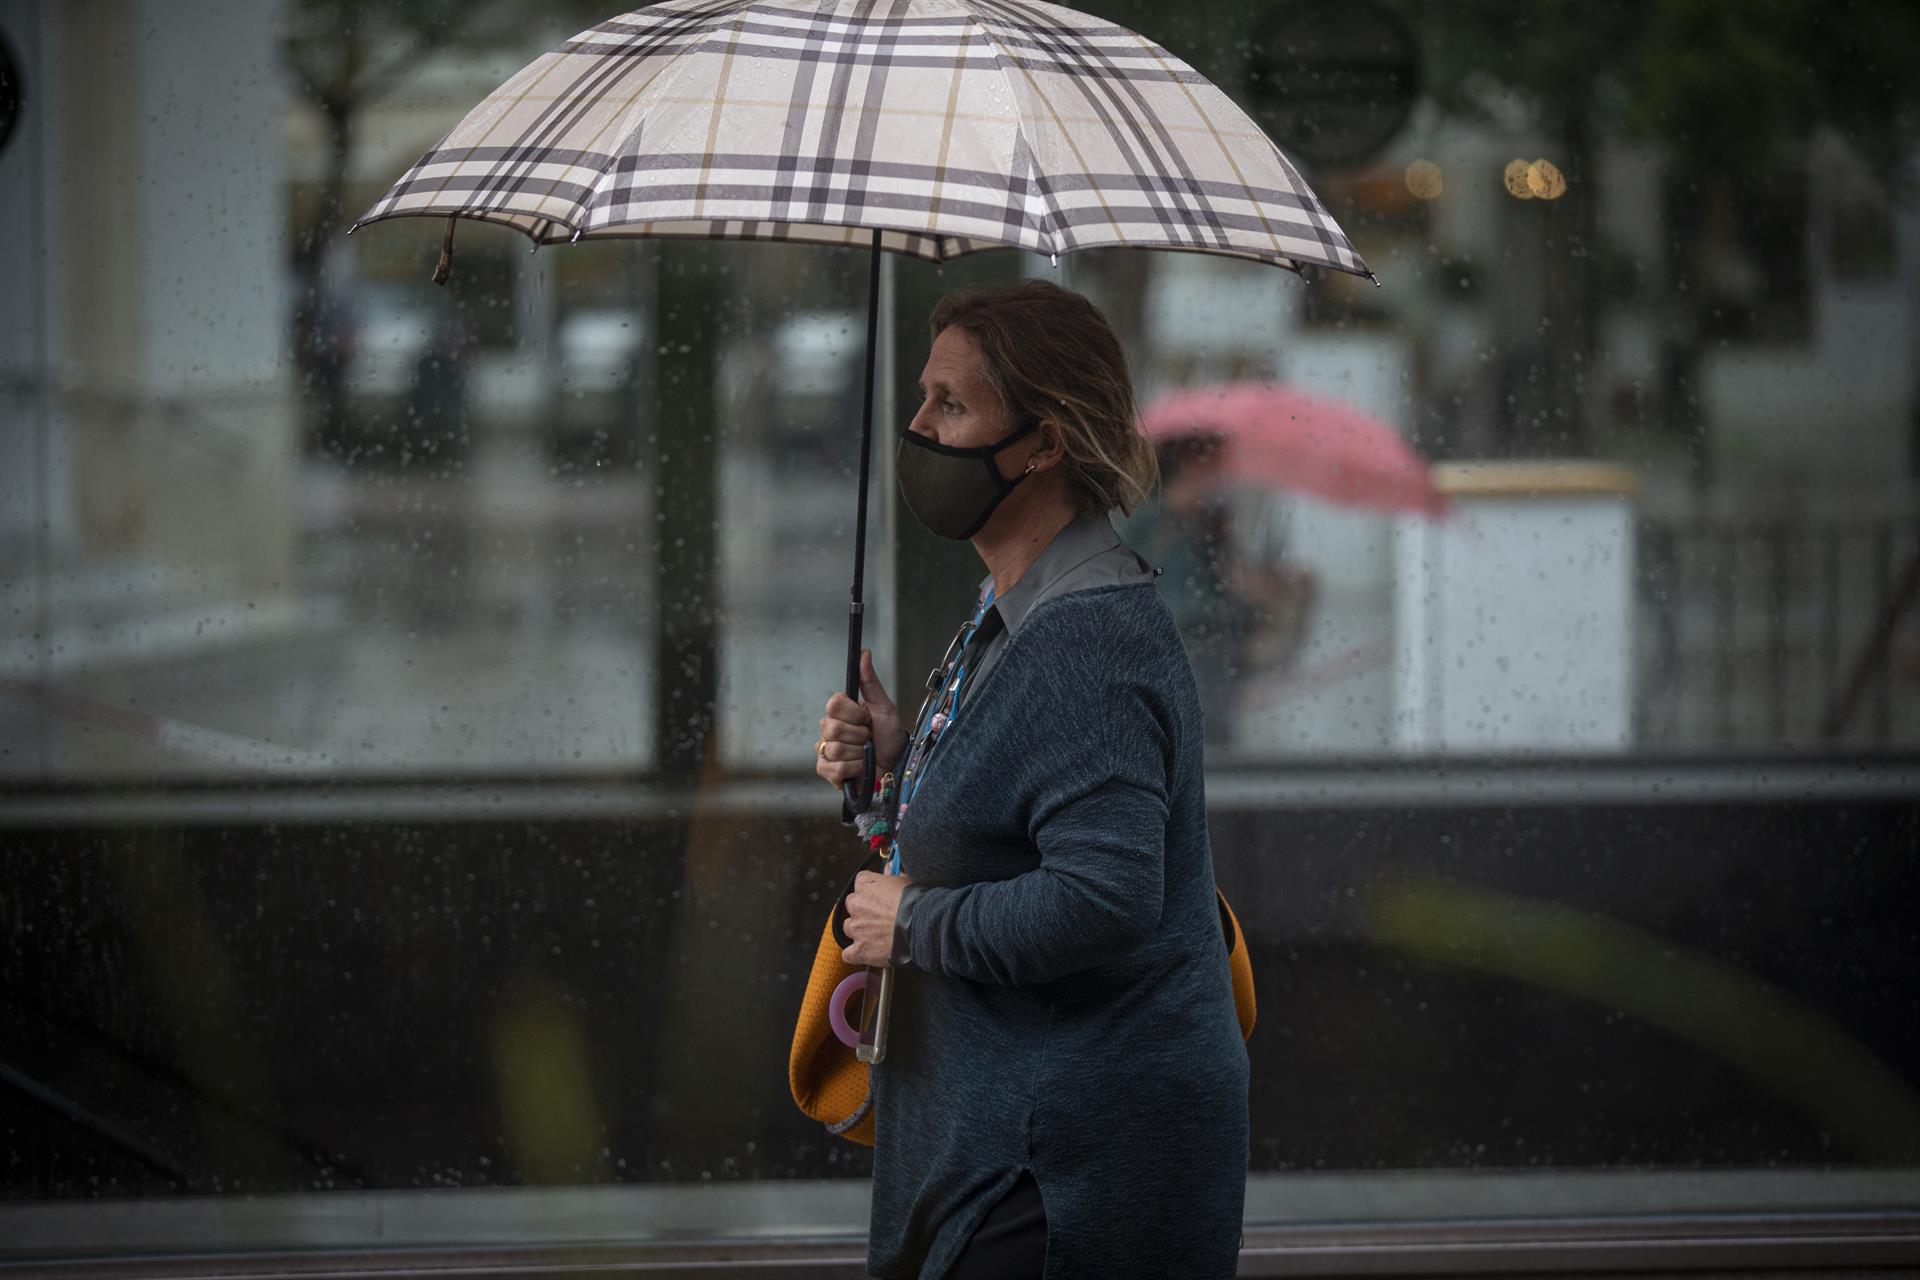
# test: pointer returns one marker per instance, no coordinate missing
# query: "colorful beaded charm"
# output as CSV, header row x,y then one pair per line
x,y
876,825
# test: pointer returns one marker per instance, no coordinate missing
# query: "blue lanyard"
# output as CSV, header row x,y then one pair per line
x,y
937,714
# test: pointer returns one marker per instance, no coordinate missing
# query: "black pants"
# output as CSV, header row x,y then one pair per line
x,y
1012,1242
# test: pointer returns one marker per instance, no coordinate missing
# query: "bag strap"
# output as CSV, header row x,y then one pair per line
x,y
838,1127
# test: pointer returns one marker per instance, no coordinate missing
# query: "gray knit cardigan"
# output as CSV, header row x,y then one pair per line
x,y
1068,1008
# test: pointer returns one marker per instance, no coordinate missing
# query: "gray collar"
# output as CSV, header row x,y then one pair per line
x,y
1066,564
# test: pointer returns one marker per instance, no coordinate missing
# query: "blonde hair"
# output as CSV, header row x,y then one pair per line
x,y
1051,355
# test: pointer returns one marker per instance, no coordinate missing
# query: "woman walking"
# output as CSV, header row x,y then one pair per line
x,y
1065,1089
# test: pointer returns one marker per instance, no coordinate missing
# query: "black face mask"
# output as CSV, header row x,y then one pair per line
x,y
953,491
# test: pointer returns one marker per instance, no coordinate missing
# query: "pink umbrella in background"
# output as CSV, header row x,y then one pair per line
x,y
1284,438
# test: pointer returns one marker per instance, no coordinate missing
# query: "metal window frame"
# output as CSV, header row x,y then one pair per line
x,y
1382,1223
1669,1244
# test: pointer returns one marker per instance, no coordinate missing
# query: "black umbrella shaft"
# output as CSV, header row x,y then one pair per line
x,y
857,795
866,462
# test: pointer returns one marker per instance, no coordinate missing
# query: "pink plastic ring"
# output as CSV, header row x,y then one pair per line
x,y
837,1008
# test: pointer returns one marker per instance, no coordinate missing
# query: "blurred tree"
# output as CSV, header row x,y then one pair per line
x,y
1729,91
1732,91
346,55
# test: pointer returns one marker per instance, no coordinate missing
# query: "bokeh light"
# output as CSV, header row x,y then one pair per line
x,y
1515,177
1545,180
1425,180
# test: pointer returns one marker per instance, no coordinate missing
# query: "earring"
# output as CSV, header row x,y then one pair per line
x,y
1029,470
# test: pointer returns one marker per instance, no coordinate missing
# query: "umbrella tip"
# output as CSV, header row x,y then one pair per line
x,y
1374,278
445,266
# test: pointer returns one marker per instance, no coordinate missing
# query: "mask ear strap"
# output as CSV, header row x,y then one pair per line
x,y
1006,486
993,466
1016,434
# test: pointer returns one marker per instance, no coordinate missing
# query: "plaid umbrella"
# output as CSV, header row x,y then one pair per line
x,y
927,127
946,125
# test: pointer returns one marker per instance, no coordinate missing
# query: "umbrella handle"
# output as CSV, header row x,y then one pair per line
x,y
856,795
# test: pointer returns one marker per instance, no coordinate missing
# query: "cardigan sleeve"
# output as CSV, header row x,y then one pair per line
x,y
1097,815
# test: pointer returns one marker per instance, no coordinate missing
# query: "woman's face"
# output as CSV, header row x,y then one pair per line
x,y
960,408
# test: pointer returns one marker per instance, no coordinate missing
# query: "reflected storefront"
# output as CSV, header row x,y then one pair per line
x,y
411,846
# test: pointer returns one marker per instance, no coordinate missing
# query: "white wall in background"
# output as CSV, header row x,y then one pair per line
x,y
1514,623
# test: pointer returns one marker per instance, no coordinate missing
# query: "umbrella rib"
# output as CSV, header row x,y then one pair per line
x,y
1055,218
1334,251
1226,153
937,192
732,38
548,124
609,171
1130,127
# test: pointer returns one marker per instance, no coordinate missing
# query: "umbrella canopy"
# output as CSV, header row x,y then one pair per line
x,y
1281,437
948,126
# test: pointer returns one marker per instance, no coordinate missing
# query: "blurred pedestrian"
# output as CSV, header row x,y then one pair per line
x,y
1054,916
1186,532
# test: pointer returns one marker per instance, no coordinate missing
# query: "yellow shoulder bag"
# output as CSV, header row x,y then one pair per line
x,y
830,1083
